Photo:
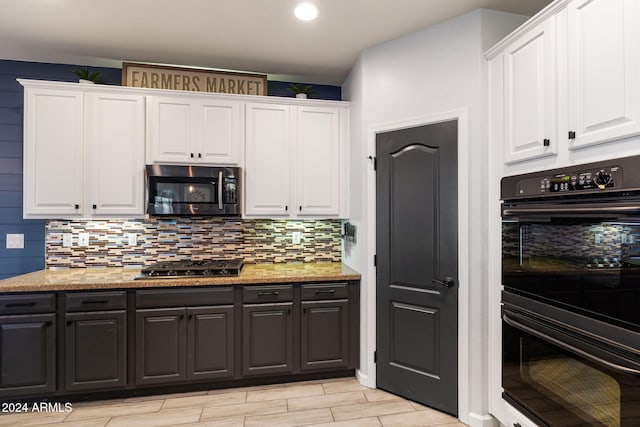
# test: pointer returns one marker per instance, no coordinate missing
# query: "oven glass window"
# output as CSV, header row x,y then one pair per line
x,y
559,387
591,267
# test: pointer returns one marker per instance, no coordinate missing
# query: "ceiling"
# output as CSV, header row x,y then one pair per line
x,y
249,35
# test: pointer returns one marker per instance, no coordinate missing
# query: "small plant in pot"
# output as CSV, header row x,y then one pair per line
x,y
300,91
86,76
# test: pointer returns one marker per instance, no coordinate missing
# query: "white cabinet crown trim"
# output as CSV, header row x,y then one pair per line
x,y
530,24
166,92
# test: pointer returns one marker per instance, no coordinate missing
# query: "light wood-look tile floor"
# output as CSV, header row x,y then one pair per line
x,y
340,402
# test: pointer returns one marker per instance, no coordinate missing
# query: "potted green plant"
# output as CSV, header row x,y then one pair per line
x,y
86,76
301,91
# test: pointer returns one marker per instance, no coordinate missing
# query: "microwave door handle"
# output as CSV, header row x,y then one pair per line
x,y
595,359
220,183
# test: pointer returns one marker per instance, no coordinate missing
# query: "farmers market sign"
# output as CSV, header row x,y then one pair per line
x,y
192,79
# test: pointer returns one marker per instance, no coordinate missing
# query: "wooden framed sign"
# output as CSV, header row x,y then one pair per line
x,y
192,79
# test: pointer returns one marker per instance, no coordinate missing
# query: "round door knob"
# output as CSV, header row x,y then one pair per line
x,y
447,282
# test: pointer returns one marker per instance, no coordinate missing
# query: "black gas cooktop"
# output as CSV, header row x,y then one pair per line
x,y
192,268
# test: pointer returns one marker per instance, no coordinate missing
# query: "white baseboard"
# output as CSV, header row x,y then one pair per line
x,y
476,420
364,379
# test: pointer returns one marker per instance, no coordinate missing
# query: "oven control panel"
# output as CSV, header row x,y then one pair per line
x,y
576,180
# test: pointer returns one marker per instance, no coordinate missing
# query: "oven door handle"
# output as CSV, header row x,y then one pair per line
x,y
569,347
611,208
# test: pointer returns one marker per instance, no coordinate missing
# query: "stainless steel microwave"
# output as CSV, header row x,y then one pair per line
x,y
193,190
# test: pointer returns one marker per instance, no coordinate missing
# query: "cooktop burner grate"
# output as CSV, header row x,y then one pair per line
x,y
192,268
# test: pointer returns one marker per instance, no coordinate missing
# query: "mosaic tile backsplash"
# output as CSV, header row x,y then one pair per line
x,y
256,241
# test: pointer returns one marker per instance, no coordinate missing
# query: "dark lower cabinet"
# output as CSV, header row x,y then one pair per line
x,y
210,343
324,335
95,350
27,355
267,339
161,336
73,342
182,344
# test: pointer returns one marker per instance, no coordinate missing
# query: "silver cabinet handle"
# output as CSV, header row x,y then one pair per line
x,y
220,183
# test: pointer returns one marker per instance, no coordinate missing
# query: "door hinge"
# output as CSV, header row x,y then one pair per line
x,y
375,260
375,162
375,356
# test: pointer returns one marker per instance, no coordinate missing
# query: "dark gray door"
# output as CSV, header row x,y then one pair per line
x,y
417,296
211,343
267,338
27,355
324,334
95,350
161,346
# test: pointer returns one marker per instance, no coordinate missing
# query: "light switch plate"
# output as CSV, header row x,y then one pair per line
x,y
296,236
67,240
15,241
83,239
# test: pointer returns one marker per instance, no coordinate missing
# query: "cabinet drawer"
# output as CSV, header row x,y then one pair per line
x,y
267,293
27,303
96,301
152,298
320,291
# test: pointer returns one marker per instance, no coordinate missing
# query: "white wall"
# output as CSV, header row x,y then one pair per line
x,y
436,72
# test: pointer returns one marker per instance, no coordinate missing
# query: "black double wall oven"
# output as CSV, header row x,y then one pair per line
x,y
571,296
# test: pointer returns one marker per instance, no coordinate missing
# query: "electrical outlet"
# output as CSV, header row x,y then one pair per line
x,y
132,239
83,239
296,237
67,240
15,241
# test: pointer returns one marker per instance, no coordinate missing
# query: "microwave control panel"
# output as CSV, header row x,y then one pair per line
x,y
571,181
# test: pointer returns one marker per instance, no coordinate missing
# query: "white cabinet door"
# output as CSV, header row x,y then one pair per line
x,y
171,126
220,132
268,160
603,70
54,155
530,95
318,154
114,126
194,130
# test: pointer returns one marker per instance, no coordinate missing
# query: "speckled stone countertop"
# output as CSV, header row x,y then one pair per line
x,y
119,278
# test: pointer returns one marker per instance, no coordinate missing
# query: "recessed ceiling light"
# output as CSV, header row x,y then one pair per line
x,y
306,12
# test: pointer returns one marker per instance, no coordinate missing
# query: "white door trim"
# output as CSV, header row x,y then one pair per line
x,y
368,292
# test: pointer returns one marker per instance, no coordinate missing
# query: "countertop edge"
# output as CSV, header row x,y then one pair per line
x,y
41,281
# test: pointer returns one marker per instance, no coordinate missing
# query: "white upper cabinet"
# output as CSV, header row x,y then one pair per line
x,y
318,161
268,160
194,130
603,70
53,153
170,130
570,76
114,126
295,157
530,95
84,152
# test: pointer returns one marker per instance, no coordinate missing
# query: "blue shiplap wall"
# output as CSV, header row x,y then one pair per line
x,y
19,261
